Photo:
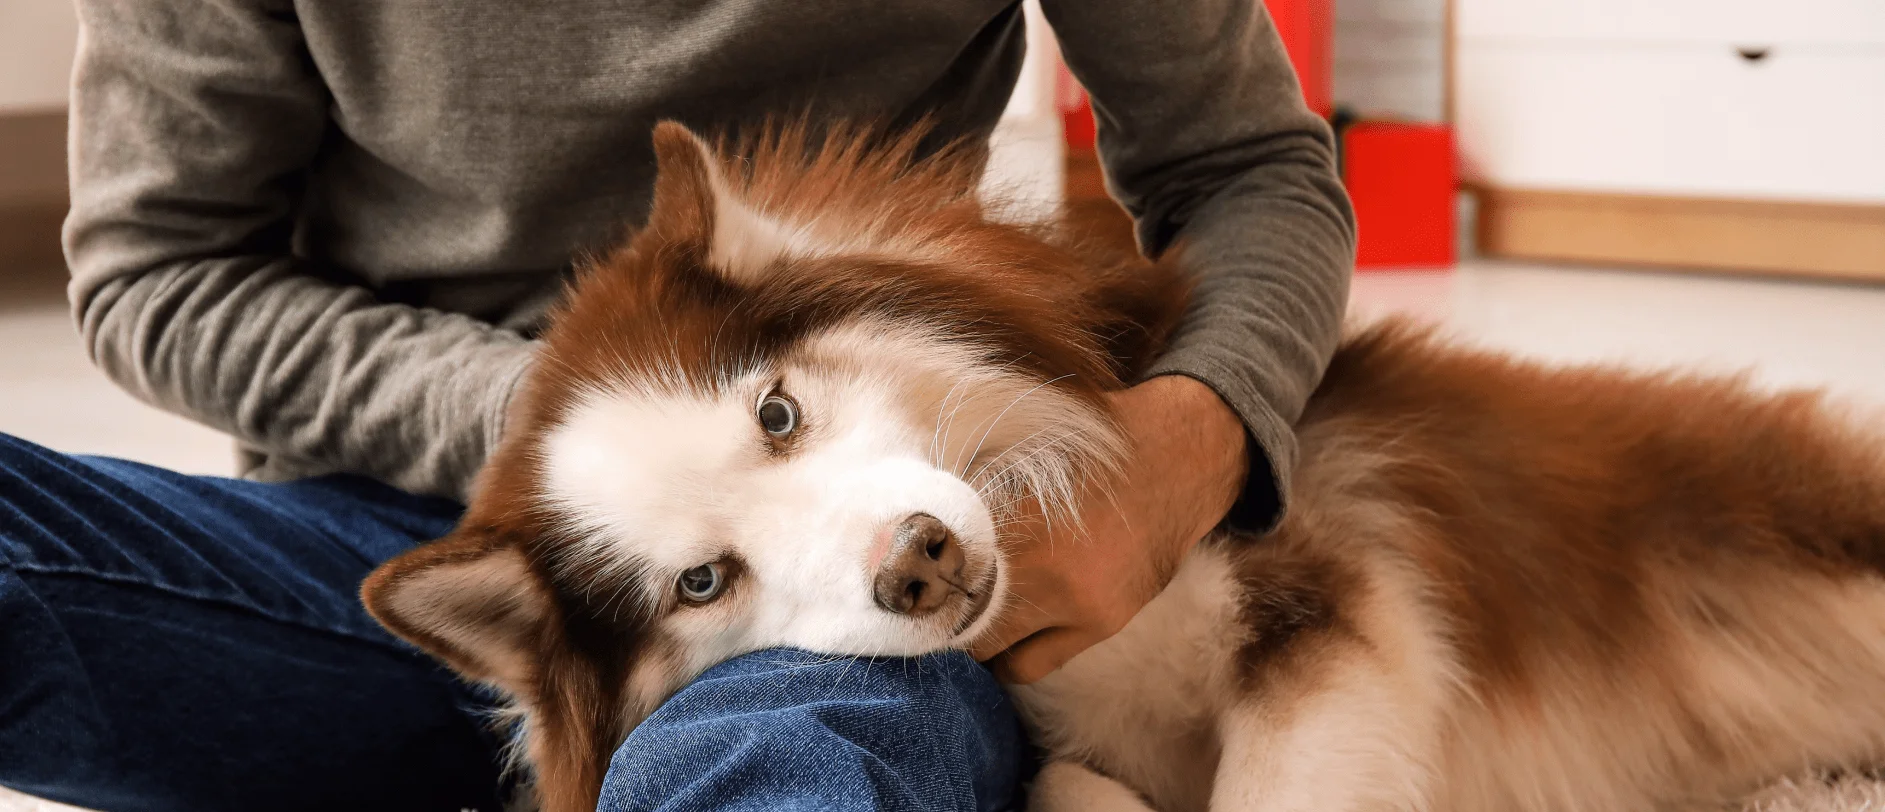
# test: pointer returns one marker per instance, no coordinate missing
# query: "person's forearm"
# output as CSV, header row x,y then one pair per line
x,y
1207,143
1265,320
310,370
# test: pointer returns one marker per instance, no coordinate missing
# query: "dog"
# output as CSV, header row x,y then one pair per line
x,y
802,404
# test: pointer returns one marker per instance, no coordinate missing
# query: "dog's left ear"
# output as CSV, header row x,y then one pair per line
x,y
475,600
471,600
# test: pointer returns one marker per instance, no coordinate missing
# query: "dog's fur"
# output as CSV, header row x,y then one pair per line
x,y
1499,586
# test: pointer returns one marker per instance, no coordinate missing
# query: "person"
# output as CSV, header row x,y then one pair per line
x,y
332,229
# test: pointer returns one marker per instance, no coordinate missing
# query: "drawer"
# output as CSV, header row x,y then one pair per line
x,y
1751,22
1801,124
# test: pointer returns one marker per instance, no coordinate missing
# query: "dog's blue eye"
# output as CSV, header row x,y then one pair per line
x,y
702,583
778,415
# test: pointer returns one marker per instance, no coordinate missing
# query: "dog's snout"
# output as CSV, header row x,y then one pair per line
x,y
923,568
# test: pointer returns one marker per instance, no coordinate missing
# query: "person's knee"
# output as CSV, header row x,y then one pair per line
x,y
812,731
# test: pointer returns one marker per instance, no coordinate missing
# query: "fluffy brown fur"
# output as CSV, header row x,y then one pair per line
x,y
1634,589
1501,586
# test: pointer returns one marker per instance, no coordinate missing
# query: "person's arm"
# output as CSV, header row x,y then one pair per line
x,y
1206,141
192,124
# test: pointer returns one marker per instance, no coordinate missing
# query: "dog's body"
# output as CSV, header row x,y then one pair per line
x,y
1502,587
800,407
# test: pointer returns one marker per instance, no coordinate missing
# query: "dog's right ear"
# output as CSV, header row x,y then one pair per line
x,y
695,203
687,183
472,601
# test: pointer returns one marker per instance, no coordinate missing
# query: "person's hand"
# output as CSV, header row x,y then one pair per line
x,y
1076,586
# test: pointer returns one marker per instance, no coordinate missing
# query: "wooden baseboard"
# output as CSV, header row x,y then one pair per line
x,y
29,236
1759,237
32,190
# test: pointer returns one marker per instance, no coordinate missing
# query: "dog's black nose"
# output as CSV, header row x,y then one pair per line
x,y
922,569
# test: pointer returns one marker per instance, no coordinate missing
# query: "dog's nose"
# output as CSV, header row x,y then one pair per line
x,y
922,569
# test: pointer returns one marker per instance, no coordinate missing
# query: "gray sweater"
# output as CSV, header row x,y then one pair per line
x,y
331,228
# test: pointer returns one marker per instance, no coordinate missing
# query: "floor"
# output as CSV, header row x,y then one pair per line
x,y
1784,333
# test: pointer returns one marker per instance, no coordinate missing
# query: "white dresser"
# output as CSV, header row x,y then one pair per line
x,y
1729,134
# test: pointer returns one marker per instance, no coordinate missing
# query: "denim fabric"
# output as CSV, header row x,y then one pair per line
x,y
782,731
170,642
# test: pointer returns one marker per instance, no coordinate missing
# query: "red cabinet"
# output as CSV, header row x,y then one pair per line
x,y
1401,178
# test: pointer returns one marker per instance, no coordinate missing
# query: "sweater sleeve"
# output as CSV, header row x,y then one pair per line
x,y
1206,141
193,125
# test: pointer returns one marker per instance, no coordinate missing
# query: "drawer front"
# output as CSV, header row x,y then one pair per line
x,y
1801,124
1740,22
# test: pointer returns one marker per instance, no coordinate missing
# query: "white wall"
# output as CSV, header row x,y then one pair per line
x,y
37,38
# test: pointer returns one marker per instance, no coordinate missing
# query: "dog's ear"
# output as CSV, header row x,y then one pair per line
x,y
686,180
472,601
696,204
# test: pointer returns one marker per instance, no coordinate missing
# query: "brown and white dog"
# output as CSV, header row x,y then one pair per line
x,y
800,406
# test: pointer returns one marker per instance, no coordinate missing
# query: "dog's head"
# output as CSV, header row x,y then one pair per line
x,y
796,409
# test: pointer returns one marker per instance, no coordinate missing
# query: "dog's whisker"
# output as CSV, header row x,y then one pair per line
x,y
1004,413
993,374
942,409
1051,488
973,475
1043,447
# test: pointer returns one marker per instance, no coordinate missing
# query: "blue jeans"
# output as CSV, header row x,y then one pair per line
x,y
170,642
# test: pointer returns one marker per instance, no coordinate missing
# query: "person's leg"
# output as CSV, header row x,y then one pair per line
x,y
781,731
170,642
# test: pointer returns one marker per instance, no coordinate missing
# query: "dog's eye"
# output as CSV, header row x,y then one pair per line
x,y
778,415
701,584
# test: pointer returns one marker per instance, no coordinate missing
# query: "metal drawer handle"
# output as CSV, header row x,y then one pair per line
x,y
1753,53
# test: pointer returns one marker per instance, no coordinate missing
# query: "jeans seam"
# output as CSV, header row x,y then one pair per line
x,y
171,591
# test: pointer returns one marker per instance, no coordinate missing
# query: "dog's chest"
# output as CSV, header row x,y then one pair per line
x,y
1142,707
